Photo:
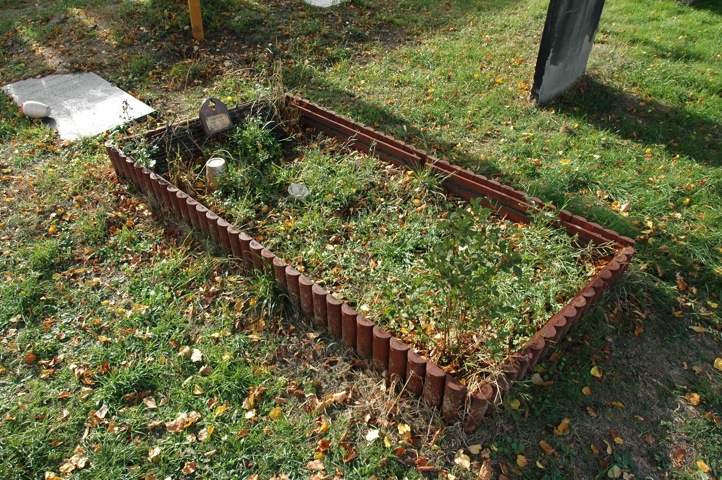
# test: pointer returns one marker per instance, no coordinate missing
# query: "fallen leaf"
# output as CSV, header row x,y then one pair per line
x,y
596,372
515,404
594,448
619,440
205,370
462,460
372,435
591,412
618,404
698,329
649,438
183,421
206,433
693,398
587,391
475,449
196,356
718,364
150,402
521,461
703,466
562,428
189,468
681,284
614,472
315,466
153,454
547,448
30,358
275,413
198,390
485,472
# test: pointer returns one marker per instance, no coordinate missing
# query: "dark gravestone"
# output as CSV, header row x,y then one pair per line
x,y
565,46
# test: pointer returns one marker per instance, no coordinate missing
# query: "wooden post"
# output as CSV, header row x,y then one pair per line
x,y
196,19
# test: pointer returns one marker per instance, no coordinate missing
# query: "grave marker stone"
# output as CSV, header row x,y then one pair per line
x,y
565,46
82,104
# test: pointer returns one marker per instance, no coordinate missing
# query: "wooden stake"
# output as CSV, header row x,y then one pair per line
x,y
196,19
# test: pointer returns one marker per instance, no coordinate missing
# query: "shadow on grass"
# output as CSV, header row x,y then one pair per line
x,y
711,5
641,120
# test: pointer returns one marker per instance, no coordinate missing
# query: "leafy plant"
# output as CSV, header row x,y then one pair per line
x,y
464,267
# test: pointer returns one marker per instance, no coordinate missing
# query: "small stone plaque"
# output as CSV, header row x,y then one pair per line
x,y
82,104
215,117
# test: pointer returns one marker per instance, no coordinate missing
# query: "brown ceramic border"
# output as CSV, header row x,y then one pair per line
x,y
385,352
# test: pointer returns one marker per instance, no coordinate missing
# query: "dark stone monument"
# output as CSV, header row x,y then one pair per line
x,y
565,46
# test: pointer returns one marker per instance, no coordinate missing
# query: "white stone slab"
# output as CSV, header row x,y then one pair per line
x,y
323,3
83,104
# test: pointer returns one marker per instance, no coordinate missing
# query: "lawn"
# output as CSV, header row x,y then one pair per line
x,y
131,348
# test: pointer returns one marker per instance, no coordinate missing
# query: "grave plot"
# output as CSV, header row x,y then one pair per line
x,y
455,292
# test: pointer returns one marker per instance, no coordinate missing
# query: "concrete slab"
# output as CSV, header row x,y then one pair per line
x,y
83,104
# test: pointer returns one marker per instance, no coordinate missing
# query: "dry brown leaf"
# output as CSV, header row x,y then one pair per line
x,y
205,370
547,448
462,460
316,466
189,468
587,391
485,472
183,421
150,402
154,454
562,428
206,433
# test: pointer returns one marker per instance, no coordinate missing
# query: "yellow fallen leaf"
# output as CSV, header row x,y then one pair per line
x,y
275,414
404,428
198,390
703,466
614,472
515,404
619,440
618,404
521,461
596,372
220,409
718,364
562,428
693,398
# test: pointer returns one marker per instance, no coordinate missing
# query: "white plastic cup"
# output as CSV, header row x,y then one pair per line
x,y
35,109
215,168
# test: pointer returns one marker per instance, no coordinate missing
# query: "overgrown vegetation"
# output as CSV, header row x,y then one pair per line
x,y
99,296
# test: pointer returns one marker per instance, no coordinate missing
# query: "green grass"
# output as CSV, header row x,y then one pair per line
x,y
635,146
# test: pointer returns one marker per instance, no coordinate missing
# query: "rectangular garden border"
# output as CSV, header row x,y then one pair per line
x,y
387,353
